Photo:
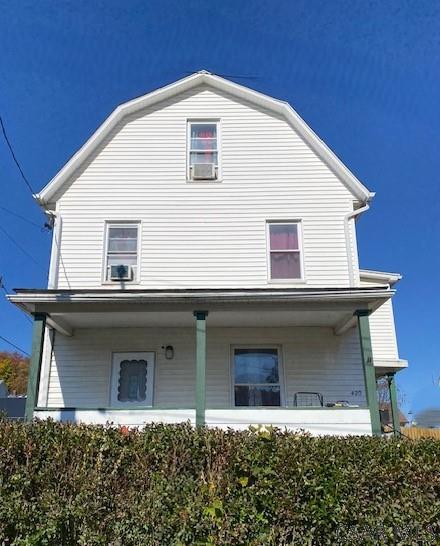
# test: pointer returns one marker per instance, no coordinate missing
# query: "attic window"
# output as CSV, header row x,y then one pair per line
x,y
203,150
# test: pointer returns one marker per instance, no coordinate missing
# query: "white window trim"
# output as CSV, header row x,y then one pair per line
x,y
293,281
121,223
280,373
114,379
202,121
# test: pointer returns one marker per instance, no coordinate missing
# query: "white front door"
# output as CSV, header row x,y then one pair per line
x,y
132,379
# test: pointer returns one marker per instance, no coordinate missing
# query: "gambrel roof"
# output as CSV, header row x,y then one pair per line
x,y
359,191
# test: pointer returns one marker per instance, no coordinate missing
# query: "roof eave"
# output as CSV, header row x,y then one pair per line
x,y
48,193
112,296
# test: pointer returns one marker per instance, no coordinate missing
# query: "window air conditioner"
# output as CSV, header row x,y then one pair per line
x,y
203,171
121,272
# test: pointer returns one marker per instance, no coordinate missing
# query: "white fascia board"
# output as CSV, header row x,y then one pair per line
x,y
380,276
390,363
359,191
33,298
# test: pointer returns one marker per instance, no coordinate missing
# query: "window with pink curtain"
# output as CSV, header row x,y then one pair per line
x,y
203,143
285,259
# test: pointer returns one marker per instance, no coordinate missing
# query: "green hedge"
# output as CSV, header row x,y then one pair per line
x,y
173,485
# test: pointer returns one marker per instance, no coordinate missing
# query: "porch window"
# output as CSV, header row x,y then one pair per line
x,y
284,250
203,150
132,381
121,262
257,377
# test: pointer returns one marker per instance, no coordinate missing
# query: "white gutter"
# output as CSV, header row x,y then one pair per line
x,y
380,276
209,297
350,216
52,282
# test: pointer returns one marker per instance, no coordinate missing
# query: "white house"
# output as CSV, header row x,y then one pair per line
x,y
204,267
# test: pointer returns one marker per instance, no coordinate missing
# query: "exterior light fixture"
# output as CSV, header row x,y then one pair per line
x,y
169,352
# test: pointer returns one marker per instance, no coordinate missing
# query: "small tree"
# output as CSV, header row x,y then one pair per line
x,y
14,370
383,393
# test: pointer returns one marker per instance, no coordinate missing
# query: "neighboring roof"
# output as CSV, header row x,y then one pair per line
x,y
379,276
361,193
429,418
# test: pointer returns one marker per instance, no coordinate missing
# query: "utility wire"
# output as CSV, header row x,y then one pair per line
x,y
18,245
232,76
22,218
61,260
15,346
28,184
5,290
15,157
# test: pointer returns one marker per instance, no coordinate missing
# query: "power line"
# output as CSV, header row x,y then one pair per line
x,y
22,218
32,192
61,260
14,157
232,76
17,244
5,290
15,346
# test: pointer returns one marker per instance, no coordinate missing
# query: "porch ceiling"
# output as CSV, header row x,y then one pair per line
x,y
217,318
277,307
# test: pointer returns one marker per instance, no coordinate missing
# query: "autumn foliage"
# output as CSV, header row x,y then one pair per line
x,y
14,369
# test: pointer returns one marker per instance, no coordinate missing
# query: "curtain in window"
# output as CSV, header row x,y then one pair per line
x,y
132,381
283,237
285,265
203,143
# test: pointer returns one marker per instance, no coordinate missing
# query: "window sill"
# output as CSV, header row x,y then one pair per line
x,y
116,283
284,282
207,181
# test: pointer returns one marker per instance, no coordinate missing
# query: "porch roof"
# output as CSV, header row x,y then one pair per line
x,y
82,308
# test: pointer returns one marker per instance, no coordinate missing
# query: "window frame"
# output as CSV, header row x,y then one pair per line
x,y
293,280
251,346
123,224
203,121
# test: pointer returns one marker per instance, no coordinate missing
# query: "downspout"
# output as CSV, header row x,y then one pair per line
x,y
350,216
52,282
55,223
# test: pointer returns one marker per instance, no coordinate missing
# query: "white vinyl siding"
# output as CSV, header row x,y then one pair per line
x,y
382,328
383,332
318,422
205,235
313,359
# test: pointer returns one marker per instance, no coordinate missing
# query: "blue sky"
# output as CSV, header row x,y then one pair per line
x,y
364,74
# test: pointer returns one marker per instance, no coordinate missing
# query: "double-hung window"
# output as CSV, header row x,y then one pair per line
x,y
257,377
203,150
284,250
122,254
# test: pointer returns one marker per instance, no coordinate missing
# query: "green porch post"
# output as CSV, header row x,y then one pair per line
x,y
35,365
369,372
200,366
393,403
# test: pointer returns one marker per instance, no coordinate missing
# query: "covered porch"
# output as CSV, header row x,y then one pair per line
x,y
291,358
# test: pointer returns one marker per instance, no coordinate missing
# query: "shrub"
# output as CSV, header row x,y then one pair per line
x,y
174,485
